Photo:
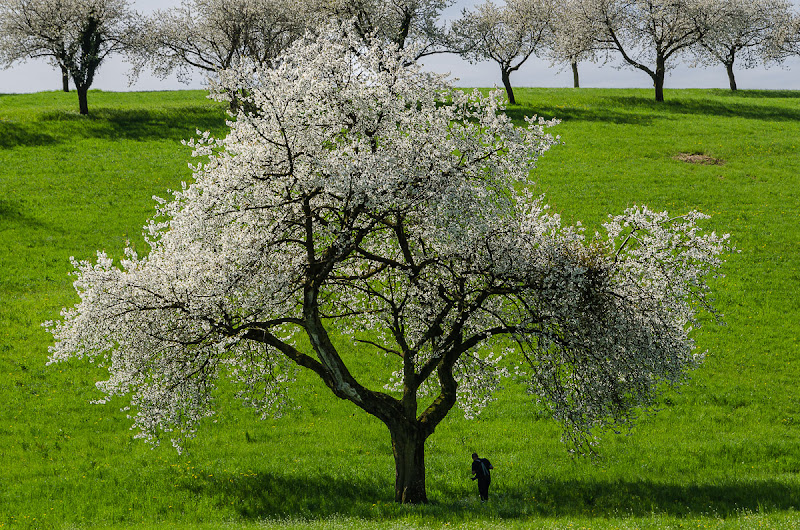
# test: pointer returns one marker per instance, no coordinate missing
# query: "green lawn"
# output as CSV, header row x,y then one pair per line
x,y
722,453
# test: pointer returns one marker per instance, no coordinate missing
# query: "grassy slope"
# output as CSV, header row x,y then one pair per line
x,y
721,453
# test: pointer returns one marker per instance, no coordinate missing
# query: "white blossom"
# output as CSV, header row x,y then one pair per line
x,y
411,25
211,35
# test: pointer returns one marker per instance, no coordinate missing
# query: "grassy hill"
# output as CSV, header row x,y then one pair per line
x,y
724,452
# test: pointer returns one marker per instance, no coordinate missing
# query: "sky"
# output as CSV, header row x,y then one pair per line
x,y
38,75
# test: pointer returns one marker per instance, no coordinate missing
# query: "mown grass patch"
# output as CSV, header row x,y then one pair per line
x,y
722,452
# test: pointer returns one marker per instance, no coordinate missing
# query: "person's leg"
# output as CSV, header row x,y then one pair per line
x,y
483,489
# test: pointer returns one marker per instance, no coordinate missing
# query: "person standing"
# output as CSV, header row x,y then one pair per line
x,y
481,472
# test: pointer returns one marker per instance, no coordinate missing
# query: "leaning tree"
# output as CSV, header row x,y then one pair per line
x,y
360,199
76,35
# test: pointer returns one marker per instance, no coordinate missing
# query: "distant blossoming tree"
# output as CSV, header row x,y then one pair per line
x,y
740,33
647,34
507,34
211,35
76,35
573,35
367,201
406,24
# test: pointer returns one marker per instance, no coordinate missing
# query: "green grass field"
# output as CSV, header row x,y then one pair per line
x,y
724,452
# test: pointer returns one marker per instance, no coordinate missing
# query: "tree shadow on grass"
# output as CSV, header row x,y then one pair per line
x,y
757,94
260,496
587,114
14,135
264,495
733,108
643,498
177,123
11,213
643,110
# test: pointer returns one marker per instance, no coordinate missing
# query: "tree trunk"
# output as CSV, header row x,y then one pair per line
x,y
507,83
575,80
64,79
83,102
731,78
658,79
408,446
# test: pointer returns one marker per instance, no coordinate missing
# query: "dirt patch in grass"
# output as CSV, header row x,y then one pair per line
x,y
699,158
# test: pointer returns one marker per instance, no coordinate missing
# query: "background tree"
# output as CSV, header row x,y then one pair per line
x,y
76,35
211,35
572,37
648,34
507,35
740,33
403,23
369,203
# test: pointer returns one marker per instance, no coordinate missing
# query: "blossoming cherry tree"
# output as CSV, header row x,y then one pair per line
x,y
360,200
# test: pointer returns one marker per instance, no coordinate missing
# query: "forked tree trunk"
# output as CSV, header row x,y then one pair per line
x,y
408,447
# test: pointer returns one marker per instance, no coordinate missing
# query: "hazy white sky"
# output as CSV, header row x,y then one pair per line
x,y
35,76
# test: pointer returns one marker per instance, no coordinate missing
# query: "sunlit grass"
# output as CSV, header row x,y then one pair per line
x,y
722,453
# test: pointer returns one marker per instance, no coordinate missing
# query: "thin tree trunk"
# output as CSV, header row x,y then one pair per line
x,y
64,79
731,77
408,446
507,83
575,80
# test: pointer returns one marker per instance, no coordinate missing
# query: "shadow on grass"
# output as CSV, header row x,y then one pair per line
x,y
643,110
11,213
733,108
14,135
642,498
176,123
269,496
590,114
262,495
758,94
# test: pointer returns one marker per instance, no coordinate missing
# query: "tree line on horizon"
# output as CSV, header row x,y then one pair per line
x,y
208,36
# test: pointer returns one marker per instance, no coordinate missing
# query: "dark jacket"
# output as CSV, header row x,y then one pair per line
x,y
480,468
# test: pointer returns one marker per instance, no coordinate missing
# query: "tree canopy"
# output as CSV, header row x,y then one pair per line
x,y
361,200
402,23
211,35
